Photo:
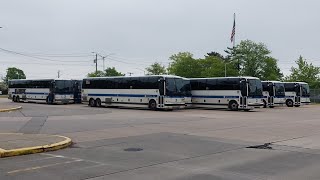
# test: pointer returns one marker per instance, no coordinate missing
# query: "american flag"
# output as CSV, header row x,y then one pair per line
x,y
233,33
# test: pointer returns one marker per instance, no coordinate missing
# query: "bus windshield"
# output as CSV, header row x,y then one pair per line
x,y
305,90
177,87
63,87
255,88
279,88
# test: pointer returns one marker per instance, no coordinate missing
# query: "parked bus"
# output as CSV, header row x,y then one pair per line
x,y
227,92
297,93
273,93
44,90
154,92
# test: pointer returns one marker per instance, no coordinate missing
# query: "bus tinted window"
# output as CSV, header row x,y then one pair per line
x,y
212,84
170,87
289,86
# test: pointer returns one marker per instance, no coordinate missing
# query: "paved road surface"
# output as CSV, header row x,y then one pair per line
x,y
176,145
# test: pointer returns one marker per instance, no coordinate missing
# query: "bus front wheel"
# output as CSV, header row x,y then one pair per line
x,y
17,99
289,103
98,102
92,103
152,105
14,99
233,105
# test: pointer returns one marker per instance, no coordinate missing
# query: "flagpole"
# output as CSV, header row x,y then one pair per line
x,y
234,38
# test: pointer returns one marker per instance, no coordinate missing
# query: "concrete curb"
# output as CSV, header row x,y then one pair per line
x,y
11,109
36,149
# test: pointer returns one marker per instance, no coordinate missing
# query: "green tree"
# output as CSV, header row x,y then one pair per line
x,y
107,73
14,73
253,59
214,66
305,72
156,69
96,74
183,64
112,72
271,71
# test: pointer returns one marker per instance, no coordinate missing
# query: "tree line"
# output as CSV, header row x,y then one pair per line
x,y
248,58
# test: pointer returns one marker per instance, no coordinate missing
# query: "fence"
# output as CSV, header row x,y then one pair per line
x,y
315,95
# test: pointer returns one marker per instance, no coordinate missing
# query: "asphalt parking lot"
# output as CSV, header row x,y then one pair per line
x,y
138,144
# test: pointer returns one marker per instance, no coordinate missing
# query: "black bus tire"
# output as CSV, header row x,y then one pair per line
x,y
296,105
13,98
17,99
98,102
92,103
152,104
289,103
233,105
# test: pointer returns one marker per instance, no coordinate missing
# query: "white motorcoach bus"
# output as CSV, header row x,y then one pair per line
x,y
273,93
227,92
297,93
43,90
154,92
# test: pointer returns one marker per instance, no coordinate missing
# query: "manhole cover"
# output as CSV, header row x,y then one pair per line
x,y
133,149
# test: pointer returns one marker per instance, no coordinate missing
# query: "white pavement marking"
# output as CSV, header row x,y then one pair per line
x,y
41,167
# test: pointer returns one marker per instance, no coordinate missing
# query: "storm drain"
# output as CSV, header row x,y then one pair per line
x,y
133,149
263,146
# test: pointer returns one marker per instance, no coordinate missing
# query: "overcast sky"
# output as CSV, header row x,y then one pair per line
x,y
140,32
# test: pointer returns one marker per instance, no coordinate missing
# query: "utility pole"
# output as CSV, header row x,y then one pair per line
x,y
103,62
58,73
96,63
130,73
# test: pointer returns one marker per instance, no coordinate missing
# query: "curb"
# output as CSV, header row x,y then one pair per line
x,y
36,149
11,109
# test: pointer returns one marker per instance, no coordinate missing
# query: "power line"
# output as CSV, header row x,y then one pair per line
x,y
35,57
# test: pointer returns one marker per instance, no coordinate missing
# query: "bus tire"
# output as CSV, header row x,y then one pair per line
x,y
17,99
98,102
152,105
92,103
264,104
296,105
289,103
271,106
13,98
233,105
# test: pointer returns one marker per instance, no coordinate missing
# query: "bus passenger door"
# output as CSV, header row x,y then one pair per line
x,y
161,92
297,98
244,93
271,95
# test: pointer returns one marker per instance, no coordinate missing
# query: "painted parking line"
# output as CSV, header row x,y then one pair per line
x,y
41,167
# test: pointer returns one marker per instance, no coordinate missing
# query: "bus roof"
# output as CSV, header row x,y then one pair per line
x,y
40,79
246,77
296,82
169,76
273,81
